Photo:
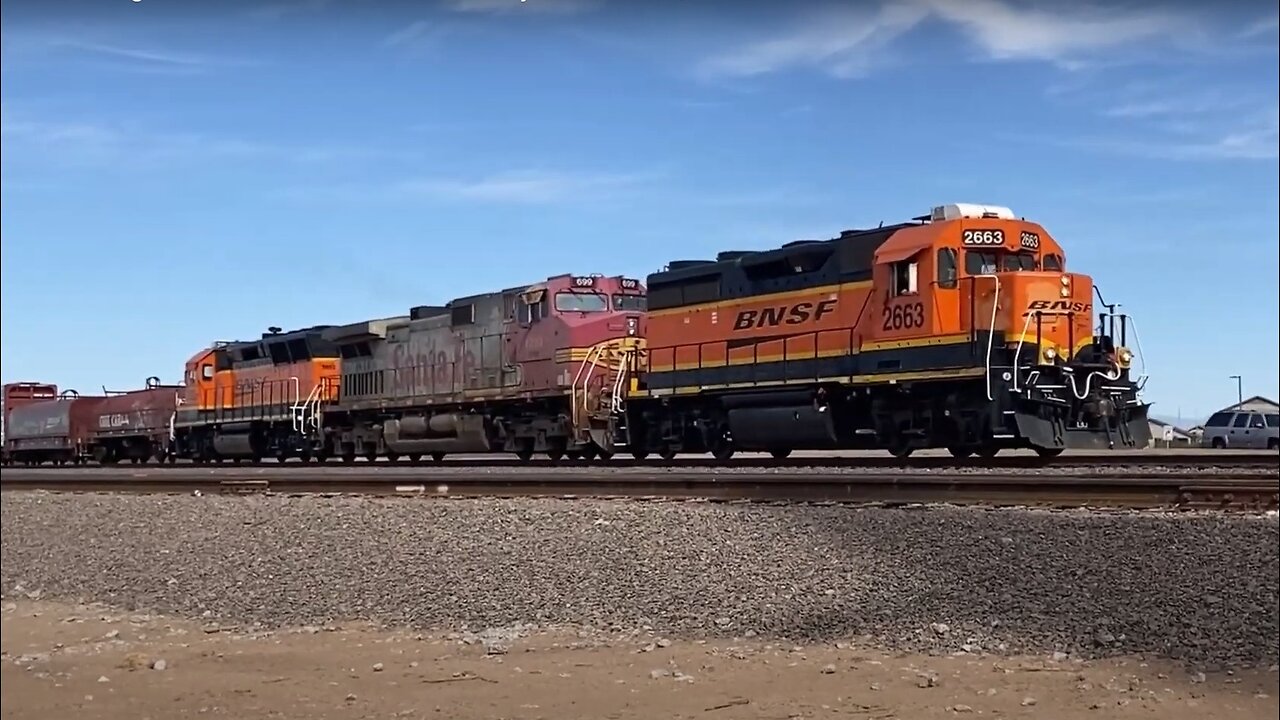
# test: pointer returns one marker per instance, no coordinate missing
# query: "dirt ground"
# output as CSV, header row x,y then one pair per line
x,y
75,661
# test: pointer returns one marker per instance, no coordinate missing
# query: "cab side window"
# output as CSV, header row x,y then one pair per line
x,y
1052,262
905,275
947,268
206,371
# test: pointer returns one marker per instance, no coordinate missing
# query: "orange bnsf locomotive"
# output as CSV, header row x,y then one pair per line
x,y
961,330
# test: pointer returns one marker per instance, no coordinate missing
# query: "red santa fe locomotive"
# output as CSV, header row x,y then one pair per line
x,y
541,368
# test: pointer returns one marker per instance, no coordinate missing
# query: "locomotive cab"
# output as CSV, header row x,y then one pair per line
x,y
1067,383
602,319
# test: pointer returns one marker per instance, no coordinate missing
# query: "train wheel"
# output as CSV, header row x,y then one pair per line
x,y
556,449
525,454
901,451
589,452
667,453
349,457
371,454
722,451
392,457
639,454
986,451
603,455
573,455
1046,453
959,451
780,454
437,456
415,458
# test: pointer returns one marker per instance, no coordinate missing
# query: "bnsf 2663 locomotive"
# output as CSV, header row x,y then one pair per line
x,y
962,329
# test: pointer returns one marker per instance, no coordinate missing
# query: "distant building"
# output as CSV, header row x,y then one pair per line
x,y
1196,433
1165,435
1257,403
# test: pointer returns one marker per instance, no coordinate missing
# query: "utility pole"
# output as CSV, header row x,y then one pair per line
x,y
1239,389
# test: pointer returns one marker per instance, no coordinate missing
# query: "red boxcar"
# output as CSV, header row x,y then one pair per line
x,y
136,425
51,430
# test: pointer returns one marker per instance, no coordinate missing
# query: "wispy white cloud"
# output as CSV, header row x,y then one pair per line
x,y
847,41
1174,104
518,186
275,11
131,53
1268,25
1060,34
85,143
114,54
841,40
411,33
510,187
562,7
1254,139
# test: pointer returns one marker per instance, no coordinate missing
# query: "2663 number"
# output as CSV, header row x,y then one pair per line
x,y
906,316
982,237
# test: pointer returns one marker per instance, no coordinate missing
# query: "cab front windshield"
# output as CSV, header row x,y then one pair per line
x,y
628,303
987,262
581,302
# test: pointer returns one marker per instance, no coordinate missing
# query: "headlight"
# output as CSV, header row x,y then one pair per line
x,y
1066,281
1064,292
1050,354
1124,357
632,323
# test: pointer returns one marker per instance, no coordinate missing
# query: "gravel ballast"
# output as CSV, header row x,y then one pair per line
x,y
1199,588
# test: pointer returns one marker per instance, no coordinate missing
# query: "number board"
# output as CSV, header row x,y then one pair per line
x,y
903,317
584,282
629,283
983,238
1030,241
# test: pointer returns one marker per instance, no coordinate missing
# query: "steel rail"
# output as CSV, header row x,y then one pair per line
x,y
1246,493
1207,460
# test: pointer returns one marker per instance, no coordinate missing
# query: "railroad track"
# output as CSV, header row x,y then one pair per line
x,y
1186,459
1249,492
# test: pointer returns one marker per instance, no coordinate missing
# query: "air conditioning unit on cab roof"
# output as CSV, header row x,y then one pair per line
x,y
956,211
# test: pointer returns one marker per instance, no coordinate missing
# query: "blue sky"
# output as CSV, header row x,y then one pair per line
x,y
175,173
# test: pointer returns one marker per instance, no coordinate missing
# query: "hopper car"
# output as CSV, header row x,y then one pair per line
x,y
961,329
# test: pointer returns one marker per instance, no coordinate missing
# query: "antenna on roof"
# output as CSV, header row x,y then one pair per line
x,y
881,224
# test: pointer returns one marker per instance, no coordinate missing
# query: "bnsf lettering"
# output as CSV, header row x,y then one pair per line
x,y
784,315
1060,305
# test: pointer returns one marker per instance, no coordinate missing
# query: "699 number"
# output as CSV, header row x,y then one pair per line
x,y
900,317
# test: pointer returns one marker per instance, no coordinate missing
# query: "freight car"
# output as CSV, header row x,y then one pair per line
x,y
529,369
135,425
961,329
43,425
